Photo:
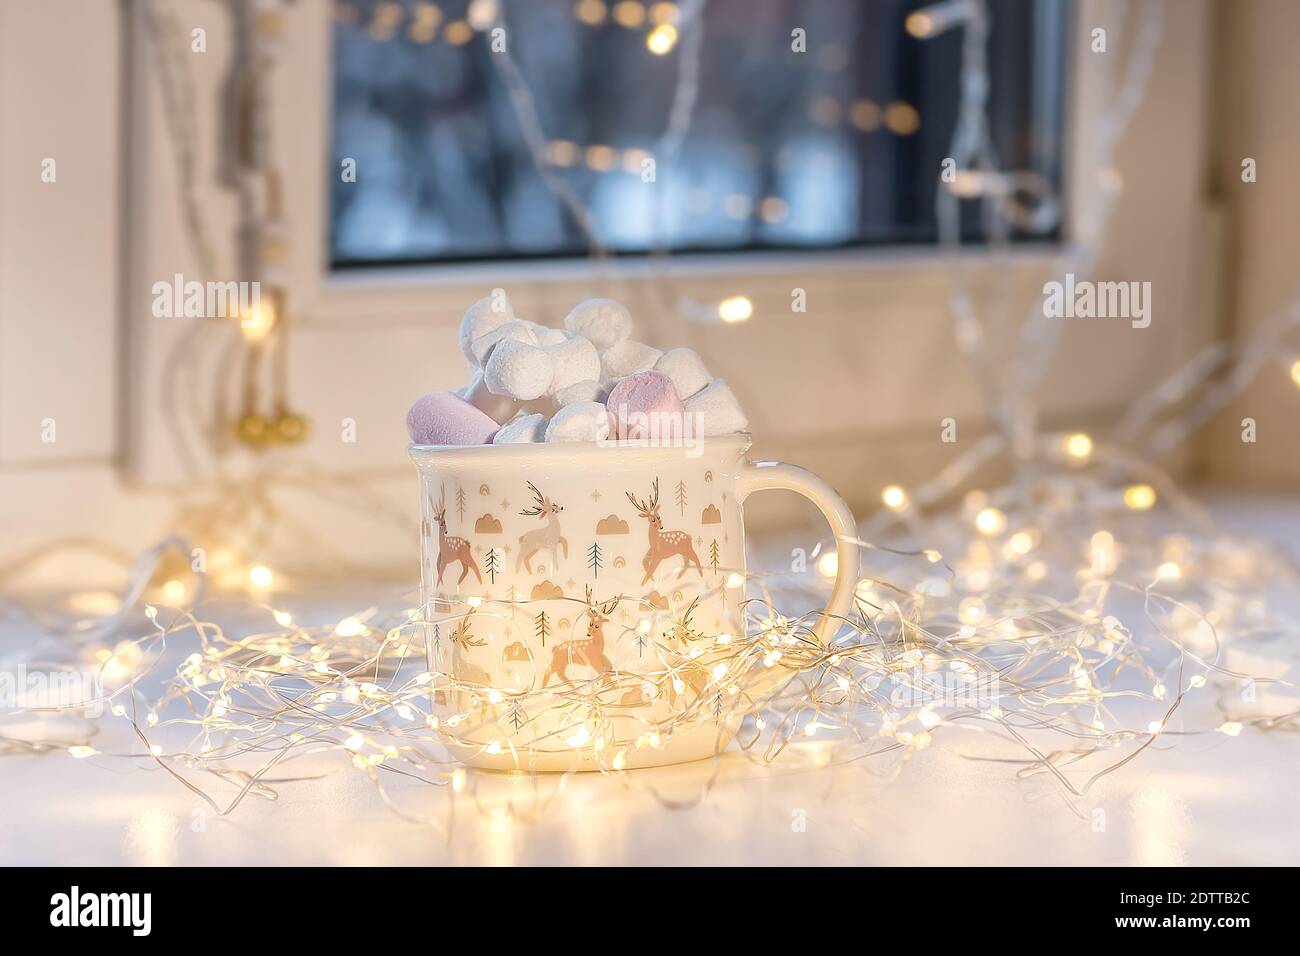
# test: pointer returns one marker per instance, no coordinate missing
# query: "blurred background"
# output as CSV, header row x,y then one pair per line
x,y
380,166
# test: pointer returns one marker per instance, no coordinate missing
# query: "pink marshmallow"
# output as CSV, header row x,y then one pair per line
x,y
444,418
645,405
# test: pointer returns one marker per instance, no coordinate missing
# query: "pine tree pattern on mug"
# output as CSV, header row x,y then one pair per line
x,y
548,538
450,547
663,544
589,651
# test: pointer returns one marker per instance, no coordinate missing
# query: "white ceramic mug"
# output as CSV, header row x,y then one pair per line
x,y
583,571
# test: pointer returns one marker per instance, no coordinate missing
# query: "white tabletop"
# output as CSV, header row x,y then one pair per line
x,y
1229,803
1204,799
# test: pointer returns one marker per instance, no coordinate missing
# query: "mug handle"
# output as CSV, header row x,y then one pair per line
x,y
771,475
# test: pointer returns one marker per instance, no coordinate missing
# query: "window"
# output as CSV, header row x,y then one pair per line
x,y
838,146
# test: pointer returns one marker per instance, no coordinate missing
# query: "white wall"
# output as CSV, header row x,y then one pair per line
x,y
60,98
1255,115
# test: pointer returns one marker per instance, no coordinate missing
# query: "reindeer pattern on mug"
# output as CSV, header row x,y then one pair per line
x,y
529,617
450,548
542,539
663,544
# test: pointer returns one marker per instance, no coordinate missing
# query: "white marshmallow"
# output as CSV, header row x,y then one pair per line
x,y
582,421
519,370
720,411
516,330
481,318
625,358
603,321
588,391
686,369
548,337
499,408
525,428
575,360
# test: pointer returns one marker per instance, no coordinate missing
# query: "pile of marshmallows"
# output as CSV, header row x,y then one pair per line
x,y
585,382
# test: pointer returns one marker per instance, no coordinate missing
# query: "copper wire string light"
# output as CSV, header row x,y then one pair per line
x,y
1079,614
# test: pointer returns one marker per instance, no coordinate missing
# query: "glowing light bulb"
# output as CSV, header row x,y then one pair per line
x,y
1169,571
600,157
80,752
1021,543
1139,497
174,592
260,576
735,309
481,14
919,24
458,33
902,118
894,497
283,618
970,611
562,152
1078,446
354,742
1232,728
629,13
258,320
350,627
991,521
661,39
1295,372
828,564
590,12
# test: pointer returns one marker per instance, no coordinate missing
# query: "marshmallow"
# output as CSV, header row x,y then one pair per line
x,y
625,358
575,360
645,405
686,369
548,337
444,418
588,391
519,370
525,428
516,330
582,421
499,408
603,321
719,409
481,318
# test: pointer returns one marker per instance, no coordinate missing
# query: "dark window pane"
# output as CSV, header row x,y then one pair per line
x,y
838,146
